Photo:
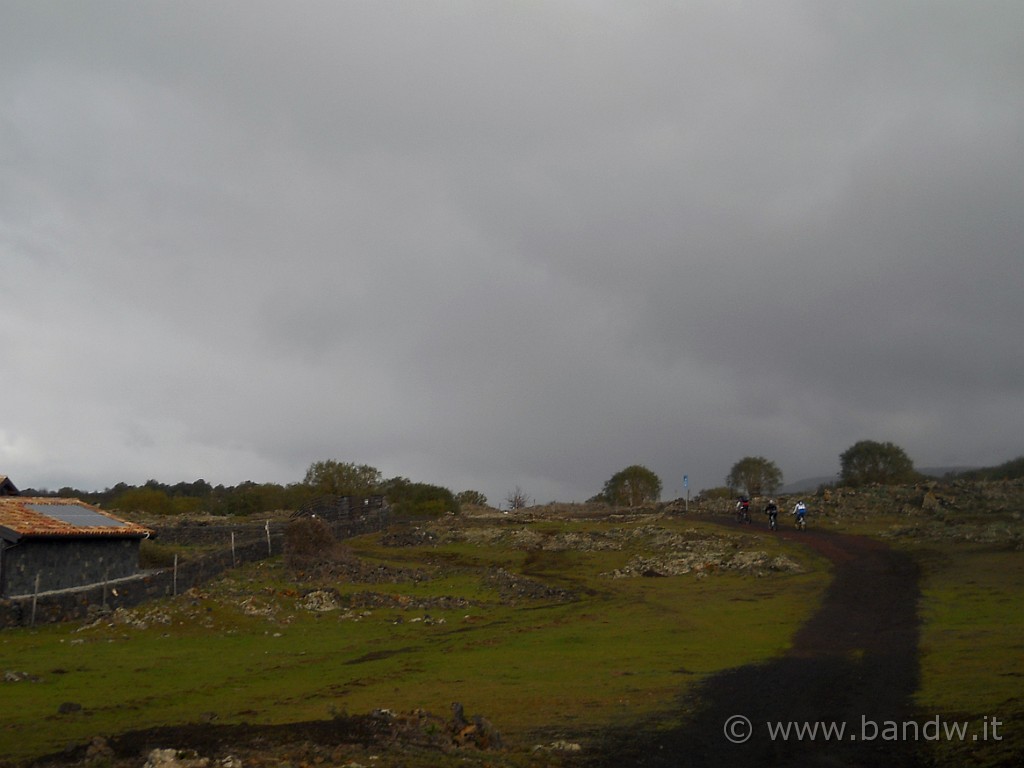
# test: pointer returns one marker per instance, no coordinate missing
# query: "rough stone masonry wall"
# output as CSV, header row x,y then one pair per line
x,y
64,564
250,545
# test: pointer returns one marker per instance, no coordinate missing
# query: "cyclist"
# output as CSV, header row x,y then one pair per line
x,y
743,510
772,510
800,512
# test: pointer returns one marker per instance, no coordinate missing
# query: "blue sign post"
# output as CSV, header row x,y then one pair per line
x,y
686,485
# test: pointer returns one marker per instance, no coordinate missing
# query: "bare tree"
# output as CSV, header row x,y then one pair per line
x,y
517,499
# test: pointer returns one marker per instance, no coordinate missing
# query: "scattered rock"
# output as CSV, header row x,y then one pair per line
x,y
512,586
704,558
12,676
417,537
478,732
559,746
251,606
99,752
174,758
320,601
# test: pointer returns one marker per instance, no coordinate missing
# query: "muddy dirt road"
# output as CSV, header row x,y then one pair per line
x,y
853,665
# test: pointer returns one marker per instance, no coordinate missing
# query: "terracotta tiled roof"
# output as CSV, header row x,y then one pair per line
x,y
26,516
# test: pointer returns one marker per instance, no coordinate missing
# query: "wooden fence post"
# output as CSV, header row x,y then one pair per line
x,y
35,597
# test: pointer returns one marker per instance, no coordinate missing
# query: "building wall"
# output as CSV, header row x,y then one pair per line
x,y
66,563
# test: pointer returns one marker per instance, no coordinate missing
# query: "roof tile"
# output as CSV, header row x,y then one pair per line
x,y
22,516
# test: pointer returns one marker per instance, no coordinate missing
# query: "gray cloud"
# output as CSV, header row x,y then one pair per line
x,y
500,245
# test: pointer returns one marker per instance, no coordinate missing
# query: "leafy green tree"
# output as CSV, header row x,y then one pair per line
x,y
335,478
755,475
472,498
200,489
872,462
408,498
632,487
296,495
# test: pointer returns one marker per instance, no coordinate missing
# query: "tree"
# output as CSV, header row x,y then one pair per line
x,y
423,499
335,478
517,499
755,475
632,487
149,500
871,462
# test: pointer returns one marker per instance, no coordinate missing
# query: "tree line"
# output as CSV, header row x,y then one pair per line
x,y
323,478
864,463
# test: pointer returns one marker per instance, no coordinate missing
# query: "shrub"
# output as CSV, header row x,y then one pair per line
x,y
310,545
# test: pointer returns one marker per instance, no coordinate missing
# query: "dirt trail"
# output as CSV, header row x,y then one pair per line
x,y
854,663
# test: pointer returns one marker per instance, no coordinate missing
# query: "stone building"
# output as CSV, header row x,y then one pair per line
x,y
51,544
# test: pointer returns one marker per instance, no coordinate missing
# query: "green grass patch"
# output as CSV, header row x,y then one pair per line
x,y
244,649
972,645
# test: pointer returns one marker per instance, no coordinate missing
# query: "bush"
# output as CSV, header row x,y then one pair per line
x,y
419,499
310,545
471,499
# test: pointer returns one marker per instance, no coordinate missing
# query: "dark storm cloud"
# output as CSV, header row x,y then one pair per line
x,y
506,244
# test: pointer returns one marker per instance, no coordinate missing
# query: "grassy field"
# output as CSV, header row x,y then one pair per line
x,y
248,647
244,649
972,646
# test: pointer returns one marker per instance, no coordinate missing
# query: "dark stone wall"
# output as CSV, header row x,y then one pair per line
x,y
66,563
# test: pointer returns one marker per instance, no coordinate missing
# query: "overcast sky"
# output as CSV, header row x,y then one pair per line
x,y
497,244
